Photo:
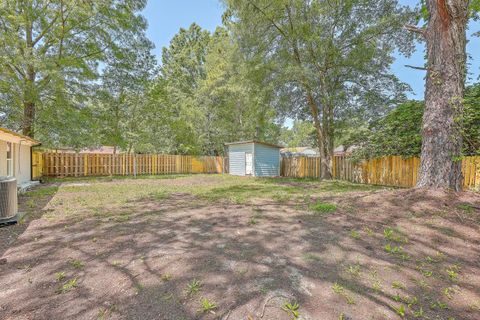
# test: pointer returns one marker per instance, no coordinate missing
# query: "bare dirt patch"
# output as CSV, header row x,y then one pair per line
x,y
170,249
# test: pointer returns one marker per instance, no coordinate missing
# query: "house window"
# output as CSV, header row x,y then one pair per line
x,y
9,159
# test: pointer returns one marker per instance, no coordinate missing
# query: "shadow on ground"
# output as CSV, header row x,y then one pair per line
x,y
137,261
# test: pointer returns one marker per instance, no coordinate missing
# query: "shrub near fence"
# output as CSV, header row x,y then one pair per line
x,y
81,165
388,171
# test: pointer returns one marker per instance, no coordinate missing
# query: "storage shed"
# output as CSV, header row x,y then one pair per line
x,y
253,158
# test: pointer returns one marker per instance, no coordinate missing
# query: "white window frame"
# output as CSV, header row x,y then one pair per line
x,y
10,159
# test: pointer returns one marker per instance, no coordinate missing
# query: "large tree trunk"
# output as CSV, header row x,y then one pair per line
x,y
29,92
440,166
324,139
29,107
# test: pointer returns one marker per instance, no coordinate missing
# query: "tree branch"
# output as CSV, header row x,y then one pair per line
x,y
415,29
416,68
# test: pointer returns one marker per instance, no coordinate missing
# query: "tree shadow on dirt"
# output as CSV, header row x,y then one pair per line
x,y
250,260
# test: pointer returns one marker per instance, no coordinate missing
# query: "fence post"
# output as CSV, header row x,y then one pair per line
x,y
135,165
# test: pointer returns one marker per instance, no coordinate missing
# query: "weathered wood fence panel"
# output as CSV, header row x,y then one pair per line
x,y
388,171
37,165
81,165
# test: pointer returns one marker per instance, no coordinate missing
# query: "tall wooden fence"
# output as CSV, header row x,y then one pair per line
x,y
388,171
81,165
37,165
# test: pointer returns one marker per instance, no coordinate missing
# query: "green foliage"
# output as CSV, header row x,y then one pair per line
x,y
194,286
302,134
49,62
329,61
207,305
399,132
340,290
291,309
323,207
77,264
67,286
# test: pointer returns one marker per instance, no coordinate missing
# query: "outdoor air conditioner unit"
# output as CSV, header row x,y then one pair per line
x,y
8,199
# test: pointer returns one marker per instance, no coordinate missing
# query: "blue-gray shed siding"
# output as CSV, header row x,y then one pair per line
x,y
236,158
266,161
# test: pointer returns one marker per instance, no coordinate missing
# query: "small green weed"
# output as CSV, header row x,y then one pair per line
x,y
400,310
418,313
392,235
438,305
166,277
60,276
452,272
398,285
207,305
369,232
340,290
449,292
77,264
355,234
67,286
354,269
194,286
291,309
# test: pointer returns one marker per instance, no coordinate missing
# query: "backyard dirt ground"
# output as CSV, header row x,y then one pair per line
x,y
222,247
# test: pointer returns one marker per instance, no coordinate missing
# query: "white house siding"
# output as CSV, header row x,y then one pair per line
x,y
21,161
22,165
3,158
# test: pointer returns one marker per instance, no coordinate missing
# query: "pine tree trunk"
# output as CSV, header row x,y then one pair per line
x,y
445,35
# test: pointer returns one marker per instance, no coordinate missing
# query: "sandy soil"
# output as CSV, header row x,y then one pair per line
x,y
250,259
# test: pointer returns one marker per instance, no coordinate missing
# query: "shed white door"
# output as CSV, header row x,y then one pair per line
x,y
248,163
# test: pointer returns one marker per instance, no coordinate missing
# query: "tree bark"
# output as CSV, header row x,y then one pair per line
x,y
29,92
445,35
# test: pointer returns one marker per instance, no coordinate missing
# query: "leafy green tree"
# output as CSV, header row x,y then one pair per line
x,y
327,58
400,132
49,57
234,105
208,94
121,112
302,134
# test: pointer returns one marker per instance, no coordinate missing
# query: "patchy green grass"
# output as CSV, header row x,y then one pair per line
x,y
323,207
89,196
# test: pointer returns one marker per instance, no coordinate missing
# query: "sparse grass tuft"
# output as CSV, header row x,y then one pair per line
x,y
60,276
67,286
193,287
77,264
340,290
166,277
207,306
291,309
323,207
355,234
398,285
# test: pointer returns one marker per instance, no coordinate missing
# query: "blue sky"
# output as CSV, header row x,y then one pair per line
x,y
166,17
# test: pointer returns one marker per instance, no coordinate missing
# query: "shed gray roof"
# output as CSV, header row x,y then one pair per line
x,y
254,141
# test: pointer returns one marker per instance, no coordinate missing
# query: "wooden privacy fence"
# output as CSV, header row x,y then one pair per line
x,y
81,165
37,165
388,171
